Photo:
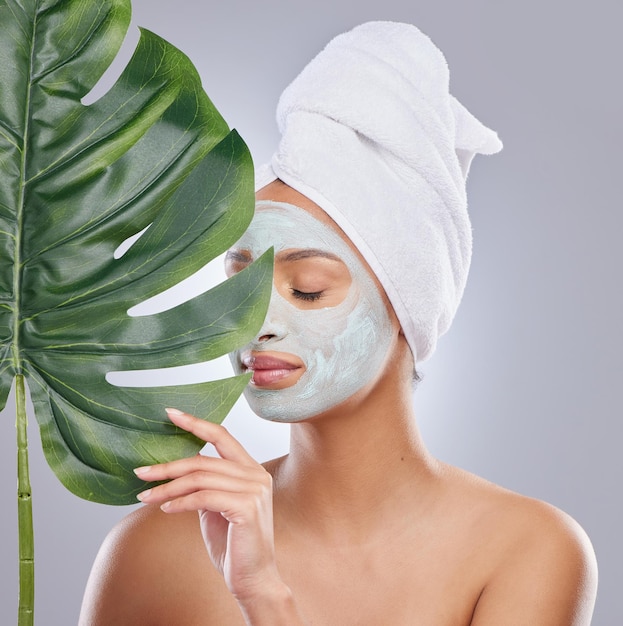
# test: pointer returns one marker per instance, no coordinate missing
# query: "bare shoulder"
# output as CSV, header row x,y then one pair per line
x,y
541,566
148,566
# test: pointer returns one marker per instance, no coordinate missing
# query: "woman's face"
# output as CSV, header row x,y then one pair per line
x,y
328,331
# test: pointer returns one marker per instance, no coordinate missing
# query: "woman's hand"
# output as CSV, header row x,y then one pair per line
x,y
233,495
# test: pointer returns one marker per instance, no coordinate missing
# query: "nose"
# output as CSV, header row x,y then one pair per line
x,y
274,327
266,337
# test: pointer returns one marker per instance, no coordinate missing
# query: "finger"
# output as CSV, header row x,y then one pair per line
x,y
227,446
234,507
180,467
203,481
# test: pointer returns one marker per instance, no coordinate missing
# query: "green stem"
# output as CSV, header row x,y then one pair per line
x,y
24,512
26,539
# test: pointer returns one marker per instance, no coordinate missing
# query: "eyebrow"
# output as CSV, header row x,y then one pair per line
x,y
240,256
307,253
244,256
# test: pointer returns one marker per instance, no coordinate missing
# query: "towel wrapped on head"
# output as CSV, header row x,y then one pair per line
x,y
370,133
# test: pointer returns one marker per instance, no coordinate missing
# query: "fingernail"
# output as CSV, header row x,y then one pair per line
x,y
141,471
174,412
165,506
143,495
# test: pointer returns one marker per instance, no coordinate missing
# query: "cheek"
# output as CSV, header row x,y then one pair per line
x,y
345,336
366,328
348,351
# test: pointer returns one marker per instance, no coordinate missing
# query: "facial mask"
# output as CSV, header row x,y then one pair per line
x,y
343,347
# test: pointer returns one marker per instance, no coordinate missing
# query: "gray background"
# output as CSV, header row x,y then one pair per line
x,y
525,389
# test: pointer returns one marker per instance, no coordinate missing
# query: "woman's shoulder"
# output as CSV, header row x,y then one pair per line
x,y
517,518
148,534
150,564
537,557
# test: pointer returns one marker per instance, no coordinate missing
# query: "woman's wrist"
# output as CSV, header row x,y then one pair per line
x,y
274,605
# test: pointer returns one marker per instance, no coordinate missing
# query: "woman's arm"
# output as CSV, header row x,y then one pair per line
x,y
233,495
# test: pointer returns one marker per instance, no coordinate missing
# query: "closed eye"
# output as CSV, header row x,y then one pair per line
x,y
307,296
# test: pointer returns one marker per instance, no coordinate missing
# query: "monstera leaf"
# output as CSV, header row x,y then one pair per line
x,y
76,181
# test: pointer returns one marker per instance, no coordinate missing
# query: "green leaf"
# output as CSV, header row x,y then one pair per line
x,y
75,182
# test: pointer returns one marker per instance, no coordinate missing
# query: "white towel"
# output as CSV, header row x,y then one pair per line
x,y
371,134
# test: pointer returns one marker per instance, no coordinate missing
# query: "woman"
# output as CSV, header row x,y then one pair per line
x,y
364,204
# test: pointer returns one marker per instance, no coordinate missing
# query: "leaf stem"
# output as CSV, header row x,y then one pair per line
x,y
24,512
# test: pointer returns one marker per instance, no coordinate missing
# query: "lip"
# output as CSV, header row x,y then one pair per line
x,y
272,370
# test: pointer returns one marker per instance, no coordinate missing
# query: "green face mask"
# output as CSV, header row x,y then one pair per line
x,y
342,347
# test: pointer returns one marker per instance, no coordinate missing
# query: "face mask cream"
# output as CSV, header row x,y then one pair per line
x,y
342,347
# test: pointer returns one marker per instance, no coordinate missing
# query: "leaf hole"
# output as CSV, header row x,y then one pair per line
x,y
182,375
124,246
115,69
201,281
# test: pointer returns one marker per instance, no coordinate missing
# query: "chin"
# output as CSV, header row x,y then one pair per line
x,y
289,406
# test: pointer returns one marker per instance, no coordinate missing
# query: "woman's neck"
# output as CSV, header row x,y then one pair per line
x,y
350,466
